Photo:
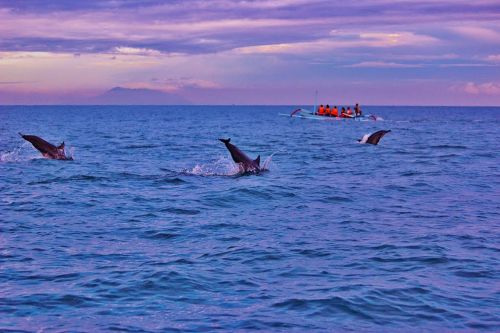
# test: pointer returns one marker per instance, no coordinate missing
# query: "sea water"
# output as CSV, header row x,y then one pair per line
x,y
151,228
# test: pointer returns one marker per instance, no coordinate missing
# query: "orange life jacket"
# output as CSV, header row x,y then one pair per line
x,y
327,111
335,112
349,112
321,111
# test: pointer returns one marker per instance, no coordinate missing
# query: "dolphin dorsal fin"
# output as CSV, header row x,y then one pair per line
x,y
61,146
257,160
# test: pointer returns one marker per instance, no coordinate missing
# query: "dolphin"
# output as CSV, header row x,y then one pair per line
x,y
47,149
245,163
373,138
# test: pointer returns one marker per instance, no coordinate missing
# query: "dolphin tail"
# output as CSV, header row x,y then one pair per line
x,y
257,160
21,134
226,141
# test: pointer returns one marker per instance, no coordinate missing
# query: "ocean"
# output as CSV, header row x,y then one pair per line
x,y
152,229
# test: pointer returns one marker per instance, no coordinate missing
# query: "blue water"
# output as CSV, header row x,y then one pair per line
x,y
152,229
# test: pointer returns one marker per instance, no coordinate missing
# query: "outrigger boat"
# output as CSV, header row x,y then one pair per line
x,y
307,114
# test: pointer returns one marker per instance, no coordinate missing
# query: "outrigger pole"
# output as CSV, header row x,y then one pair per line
x,y
315,102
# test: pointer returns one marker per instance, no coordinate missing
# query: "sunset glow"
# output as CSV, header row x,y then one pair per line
x,y
253,52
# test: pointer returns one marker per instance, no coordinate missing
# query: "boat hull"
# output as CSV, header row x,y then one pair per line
x,y
306,114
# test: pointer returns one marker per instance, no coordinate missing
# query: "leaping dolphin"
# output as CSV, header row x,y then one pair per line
x,y
373,138
47,149
245,163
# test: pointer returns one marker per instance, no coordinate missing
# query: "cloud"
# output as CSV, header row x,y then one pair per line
x,y
198,26
472,88
344,39
381,64
47,71
136,51
106,26
493,58
422,57
244,43
173,84
468,64
14,82
396,38
32,55
478,33
189,82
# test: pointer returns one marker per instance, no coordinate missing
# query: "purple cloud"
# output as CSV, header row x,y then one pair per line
x,y
247,44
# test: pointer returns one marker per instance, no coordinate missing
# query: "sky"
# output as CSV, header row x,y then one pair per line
x,y
376,52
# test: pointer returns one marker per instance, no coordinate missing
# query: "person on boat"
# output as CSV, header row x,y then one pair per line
x,y
357,110
334,112
321,110
327,110
342,113
349,112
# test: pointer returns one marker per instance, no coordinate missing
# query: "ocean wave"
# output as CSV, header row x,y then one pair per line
x,y
448,147
70,179
142,146
181,211
324,307
402,237
159,235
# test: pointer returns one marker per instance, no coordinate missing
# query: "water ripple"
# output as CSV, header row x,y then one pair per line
x,y
158,231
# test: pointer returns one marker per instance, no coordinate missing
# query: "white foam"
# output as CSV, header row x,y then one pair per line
x,y
11,156
70,152
266,165
223,166
220,167
21,153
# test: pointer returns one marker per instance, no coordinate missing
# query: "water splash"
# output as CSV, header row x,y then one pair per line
x,y
220,167
223,166
70,152
19,154
266,165
11,156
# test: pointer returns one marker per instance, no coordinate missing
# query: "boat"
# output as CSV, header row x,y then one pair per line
x,y
307,114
